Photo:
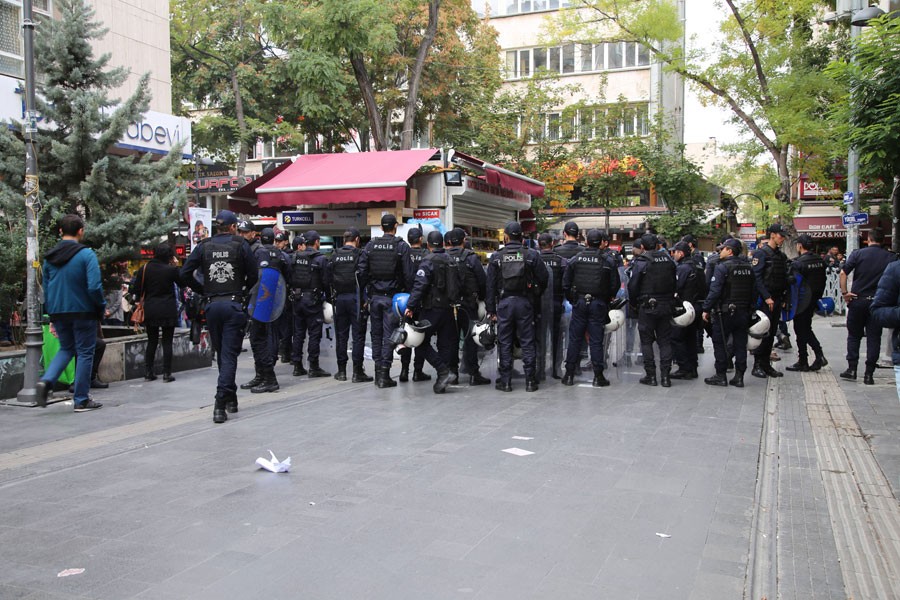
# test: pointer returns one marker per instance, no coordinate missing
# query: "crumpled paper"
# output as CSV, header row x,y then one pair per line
x,y
273,464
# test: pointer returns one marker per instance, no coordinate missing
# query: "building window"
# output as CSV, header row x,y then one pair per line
x,y
554,129
12,61
576,58
568,58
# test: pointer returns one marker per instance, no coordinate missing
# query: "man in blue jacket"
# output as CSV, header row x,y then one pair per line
x,y
73,297
885,310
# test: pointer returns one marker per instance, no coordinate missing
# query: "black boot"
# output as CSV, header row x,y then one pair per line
x,y
770,370
442,381
269,384
649,378
531,384
683,373
231,404
359,375
454,377
315,371
664,379
820,361
219,415
599,379
167,378
341,374
738,379
478,379
404,373
420,375
869,378
758,370
299,371
569,377
503,385
719,379
801,366
383,378
148,373
257,379
849,374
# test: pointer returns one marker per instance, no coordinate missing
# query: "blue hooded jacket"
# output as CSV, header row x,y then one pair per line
x,y
885,308
73,288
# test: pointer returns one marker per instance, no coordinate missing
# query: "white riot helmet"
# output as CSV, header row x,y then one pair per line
x,y
415,333
482,311
484,335
328,313
759,325
616,320
684,315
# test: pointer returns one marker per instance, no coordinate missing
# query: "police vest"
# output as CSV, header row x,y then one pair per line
x,y
554,262
223,269
269,256
469,281
738,284
695,286
591,274
343,266
513,271
306,275
659,277
775,274
567,250
446,283
812,268
383,258
417,255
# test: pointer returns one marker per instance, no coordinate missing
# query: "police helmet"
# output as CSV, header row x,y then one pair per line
x,y
415,333
759,325
328,313
482,310
399,304
684,315
616,320
484,335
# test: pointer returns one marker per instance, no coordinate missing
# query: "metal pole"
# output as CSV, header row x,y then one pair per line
x,y
853,155
33,332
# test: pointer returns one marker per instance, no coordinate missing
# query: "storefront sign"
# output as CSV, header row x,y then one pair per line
x,y
158,133
218,185
820,227
484,187
748,232
811,189
333,218
295,218
427,213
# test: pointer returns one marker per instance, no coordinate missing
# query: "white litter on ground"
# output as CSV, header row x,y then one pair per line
x,y
518,452
68,572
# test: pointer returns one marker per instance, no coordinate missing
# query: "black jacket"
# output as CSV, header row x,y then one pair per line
x,y
156,281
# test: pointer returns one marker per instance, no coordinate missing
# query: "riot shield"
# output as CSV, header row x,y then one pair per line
x,y
268,296
792,299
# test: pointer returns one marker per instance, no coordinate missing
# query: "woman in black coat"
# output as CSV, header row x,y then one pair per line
x,y
156,282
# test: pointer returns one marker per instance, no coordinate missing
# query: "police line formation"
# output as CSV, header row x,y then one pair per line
x,y
415,292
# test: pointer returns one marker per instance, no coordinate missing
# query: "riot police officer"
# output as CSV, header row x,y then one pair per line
x,y
264,335
652,290
348,304
512,275
690,285
385,269
867,265
309,282
570,246
811,269
417,253
285,323
727,305
550,332
227,269
245,230
770,267
697,258
590,281
473,290
436,290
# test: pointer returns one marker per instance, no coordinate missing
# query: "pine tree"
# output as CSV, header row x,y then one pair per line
x,y
125,200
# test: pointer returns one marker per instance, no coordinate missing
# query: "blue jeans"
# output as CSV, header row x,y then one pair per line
x,y
76,338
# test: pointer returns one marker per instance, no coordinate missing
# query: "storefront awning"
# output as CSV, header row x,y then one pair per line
x,y
340,178
821,227
501,177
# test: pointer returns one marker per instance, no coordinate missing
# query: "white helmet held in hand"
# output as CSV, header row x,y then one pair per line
x,y
328,313
684,315
616,320
759,325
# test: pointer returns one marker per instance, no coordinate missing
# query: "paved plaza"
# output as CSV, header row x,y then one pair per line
x,y
785,488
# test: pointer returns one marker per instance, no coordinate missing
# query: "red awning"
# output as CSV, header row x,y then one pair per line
x,y
248,192
511,181
341,178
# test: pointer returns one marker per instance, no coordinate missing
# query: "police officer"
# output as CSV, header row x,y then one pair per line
x,y
286,320
714,259
474,282
309,282
570,246
697,258
652,290
811,269
245,230
727,306
348,301
436,290
227,269
866,264
690,284
385,269
417,253
512,274
556,266
590,281
263,336
770,267
612,253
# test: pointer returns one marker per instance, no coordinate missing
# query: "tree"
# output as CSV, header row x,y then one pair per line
x,y
767,68
867,115
124,200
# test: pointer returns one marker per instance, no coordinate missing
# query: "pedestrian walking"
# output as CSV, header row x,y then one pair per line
x,y
348,307
223,269
309,282
867,266
770,268
417,253
155,282
73,297
811,269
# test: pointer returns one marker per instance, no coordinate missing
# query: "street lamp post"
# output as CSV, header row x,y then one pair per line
x,y
33,333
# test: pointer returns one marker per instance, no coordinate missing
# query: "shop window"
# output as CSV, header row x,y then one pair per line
x,y
568,58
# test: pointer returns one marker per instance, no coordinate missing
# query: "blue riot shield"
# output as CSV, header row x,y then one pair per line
x,y
267,298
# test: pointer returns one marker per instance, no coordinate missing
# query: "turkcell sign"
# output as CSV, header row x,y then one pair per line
x,y
855,219
297,217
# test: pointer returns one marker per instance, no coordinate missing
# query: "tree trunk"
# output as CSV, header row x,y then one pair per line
x,y
607,219
784,174
242,123
415,77
368,94
895,215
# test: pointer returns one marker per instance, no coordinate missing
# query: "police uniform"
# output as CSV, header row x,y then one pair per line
x,y
590,281
473,289
731,293
556,266
227,269
770,268
285,323
867,265
436,290
416,256
264,336
690,284
309,282
652,289
568,249
811,269
347,311
512,274
386,269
